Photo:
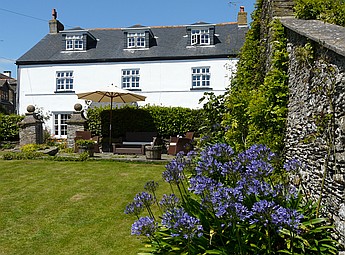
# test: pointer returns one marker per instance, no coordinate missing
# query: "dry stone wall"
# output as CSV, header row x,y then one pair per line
x,y
316,118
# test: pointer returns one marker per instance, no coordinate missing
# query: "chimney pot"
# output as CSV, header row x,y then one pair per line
x,y
7,73
242,17
55,26
54,14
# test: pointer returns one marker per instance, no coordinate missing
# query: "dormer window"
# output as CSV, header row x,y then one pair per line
x,y
200,34
138,37
74,42
78,39
136,40
200,37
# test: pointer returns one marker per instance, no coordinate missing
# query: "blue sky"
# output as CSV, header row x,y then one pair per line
x,y
24,23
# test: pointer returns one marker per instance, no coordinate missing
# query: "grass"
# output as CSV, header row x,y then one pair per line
x,y
49,207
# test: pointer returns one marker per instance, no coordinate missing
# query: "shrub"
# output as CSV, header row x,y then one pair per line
x,y
82,142
331,11
22,155
30,147
167,121
9,130
223,203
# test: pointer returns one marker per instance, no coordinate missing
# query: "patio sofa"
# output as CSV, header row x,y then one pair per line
x,y
134,143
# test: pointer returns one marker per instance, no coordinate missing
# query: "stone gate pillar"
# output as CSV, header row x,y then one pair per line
x,y
77,122
30,128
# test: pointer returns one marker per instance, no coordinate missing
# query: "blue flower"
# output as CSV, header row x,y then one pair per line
x,y
202,184
215,160
286,217
292,165
145,198
169,202
151,186
134,208
145,226
256,152
262,212
226,202
174,169
256,187
182,224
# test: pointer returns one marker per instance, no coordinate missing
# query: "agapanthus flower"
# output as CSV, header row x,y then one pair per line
x,y
225,200
202,184
254,186
145,226
256,152
182,224
145,198
292,165
151,186
262,211
174,170
214,159
169,202
134,208
258,167
286,217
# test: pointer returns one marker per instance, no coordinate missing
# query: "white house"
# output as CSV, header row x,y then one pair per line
x,y
170,65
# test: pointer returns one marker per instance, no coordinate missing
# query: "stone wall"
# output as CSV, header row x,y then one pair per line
x,y
30,128
316,118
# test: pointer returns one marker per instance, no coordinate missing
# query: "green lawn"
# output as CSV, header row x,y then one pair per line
x,y
49,207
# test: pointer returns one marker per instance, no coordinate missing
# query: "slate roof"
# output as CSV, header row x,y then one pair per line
x,y
171,43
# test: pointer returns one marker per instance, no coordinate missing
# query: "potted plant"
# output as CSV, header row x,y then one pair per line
x,y
85,145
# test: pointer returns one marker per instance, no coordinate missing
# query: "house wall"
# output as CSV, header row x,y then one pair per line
x,y
165,83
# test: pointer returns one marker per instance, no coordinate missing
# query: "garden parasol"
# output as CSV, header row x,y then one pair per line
x,y
111,94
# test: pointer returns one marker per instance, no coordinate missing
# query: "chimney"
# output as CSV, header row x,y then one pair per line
x,y
55,26
7,73
242,17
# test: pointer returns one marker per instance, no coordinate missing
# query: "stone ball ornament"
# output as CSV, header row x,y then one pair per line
x,y
78,107
30,108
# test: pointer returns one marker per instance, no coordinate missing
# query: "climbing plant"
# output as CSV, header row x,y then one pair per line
x,y
257,99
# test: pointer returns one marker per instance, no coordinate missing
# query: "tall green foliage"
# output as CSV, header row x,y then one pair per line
x,y
257,99
175,120
268,105
166,121
331,11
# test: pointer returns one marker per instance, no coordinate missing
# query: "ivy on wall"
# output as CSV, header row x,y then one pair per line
x,y
257,99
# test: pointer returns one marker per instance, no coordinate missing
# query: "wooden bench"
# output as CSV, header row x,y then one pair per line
x,y
134,143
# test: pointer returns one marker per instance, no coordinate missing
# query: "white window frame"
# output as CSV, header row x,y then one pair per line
x,y
201,77
60,125
130,78
64,81
200,37
136,40
74,42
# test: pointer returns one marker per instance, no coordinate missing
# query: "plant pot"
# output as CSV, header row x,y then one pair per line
x,y
86,148
153,152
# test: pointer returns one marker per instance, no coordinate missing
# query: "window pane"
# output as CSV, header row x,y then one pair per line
x,y
64,81
130,78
